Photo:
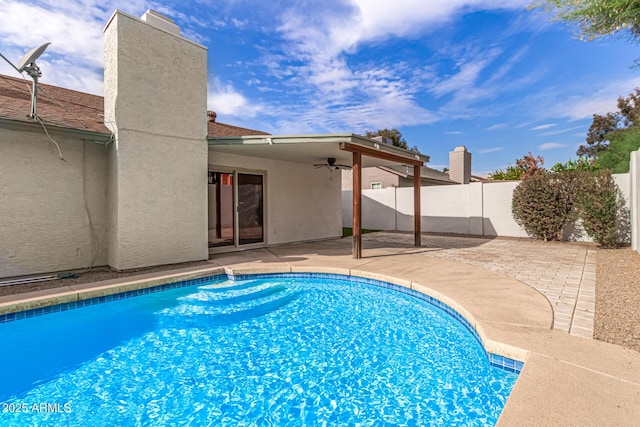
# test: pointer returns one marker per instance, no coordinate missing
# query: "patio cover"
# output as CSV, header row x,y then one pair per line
x,y
350,149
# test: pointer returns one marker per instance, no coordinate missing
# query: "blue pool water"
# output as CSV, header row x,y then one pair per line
x,y
272,352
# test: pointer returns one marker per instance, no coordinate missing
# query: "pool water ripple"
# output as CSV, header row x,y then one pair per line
x,y
268,352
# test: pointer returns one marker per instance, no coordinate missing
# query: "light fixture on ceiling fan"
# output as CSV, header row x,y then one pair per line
x,y
332,165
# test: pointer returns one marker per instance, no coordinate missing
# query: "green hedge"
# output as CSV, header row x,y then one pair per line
x,y
544,204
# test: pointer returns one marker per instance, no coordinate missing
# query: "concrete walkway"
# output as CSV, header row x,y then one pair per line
x,y
566,380
564,273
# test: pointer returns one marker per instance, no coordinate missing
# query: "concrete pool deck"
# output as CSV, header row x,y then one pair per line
x,y
567,380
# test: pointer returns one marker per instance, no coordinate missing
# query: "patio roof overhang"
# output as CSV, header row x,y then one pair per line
x,y
351,149
311,149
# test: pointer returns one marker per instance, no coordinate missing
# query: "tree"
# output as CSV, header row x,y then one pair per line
x,y
525,167
393,134
598,18
530,165
603,127
597,140
582,164
622,143
511,173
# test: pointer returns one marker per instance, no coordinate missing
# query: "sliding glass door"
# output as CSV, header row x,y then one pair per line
x,y
250,209
236,209
221,211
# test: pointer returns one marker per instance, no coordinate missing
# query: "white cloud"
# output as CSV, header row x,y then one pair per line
x,y
75,57
601,100
380,19
497,126
475,84
561,131
543,127
321,36
73,28
225,100
503,71
381,110
551,146
522,125
490,150
465,79
455,132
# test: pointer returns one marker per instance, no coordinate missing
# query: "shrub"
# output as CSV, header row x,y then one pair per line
x,y
597,207
543,204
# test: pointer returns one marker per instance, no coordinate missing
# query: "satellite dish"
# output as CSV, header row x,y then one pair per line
x,y
28,64
30,57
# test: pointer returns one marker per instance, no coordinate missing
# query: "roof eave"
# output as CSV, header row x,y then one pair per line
x,y
325,138
89,135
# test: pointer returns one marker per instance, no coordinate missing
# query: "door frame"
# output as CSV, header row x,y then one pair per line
x,y
236,236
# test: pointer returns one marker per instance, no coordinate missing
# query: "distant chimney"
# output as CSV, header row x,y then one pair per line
x,y
383,139
211,116
161,22
460,165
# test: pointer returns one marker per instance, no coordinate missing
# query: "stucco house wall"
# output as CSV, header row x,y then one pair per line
x,y
45,226
302,203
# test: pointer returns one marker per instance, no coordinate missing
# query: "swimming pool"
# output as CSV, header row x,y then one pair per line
x,y
277,350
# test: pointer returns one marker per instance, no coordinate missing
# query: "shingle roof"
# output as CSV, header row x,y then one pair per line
x,y
56,106
220,129
425,173
73,109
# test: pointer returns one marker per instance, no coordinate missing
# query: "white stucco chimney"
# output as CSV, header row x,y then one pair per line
x,y
155,101
161,22
460,165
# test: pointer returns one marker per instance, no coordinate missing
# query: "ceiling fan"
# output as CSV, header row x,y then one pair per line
x,y
331,165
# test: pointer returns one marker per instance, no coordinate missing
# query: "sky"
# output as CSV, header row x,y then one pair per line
x,y
491,75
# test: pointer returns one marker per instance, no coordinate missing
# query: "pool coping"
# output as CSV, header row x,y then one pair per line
x,y
566,380
504,356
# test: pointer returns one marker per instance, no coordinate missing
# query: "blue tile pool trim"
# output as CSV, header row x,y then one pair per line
x,y
65,306
505,363
498,361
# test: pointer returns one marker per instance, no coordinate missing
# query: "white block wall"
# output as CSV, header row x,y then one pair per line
x,y
482,209
634,199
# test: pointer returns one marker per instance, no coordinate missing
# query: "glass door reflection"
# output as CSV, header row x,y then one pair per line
x,y
221,207
250,209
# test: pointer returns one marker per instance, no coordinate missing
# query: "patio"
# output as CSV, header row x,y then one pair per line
x,y
567,379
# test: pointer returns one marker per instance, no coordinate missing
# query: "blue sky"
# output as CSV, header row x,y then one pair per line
x,y
487,74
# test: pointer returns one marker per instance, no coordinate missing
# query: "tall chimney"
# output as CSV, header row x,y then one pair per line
x,y
155,98
460,165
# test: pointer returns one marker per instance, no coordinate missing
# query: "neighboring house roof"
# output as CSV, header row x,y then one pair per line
x,y
216,129
476,178
425,173
56,106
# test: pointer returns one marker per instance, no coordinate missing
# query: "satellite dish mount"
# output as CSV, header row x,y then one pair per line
x,y
28,64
